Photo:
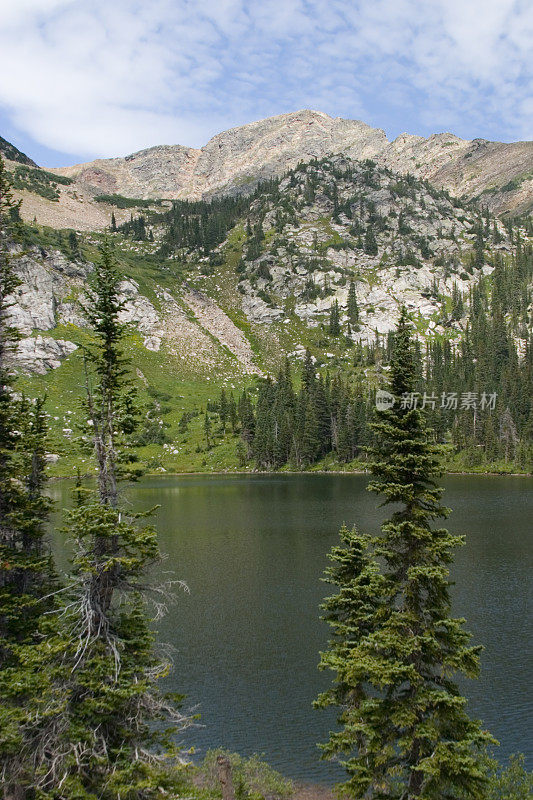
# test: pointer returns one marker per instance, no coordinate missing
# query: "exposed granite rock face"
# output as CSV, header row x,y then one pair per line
x,y
241,157
49,286
40,354
234,161
45,297
195,330
161,171
499,174
50,293
140,313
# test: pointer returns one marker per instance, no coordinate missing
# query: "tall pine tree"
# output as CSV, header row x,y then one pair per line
x,y
353,307
111,736
406,733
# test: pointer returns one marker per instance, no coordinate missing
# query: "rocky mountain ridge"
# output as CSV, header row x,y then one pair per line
x,y
239,158
218,293
499,174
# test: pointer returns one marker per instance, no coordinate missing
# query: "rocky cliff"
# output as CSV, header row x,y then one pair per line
x,y
185,325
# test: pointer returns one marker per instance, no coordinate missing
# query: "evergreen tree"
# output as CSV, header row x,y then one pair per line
x,y
351,614
26,575
207,430
8,338
371,246
106,737
232,412
223,410
310,438
508,434
353,307
479,247
334,326
323,418
265,427
457,303
406,733
74,246
247,420
308,374
109,402
240,452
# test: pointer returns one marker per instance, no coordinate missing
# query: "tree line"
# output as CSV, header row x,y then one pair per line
x,y
202,225
477,398
301,426
300,419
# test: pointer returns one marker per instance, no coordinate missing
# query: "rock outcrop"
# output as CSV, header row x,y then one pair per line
x,y
195,331
37,355
46,296
315,243
48,290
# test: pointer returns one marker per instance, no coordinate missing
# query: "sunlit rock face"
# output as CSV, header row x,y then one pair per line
x,y
236,160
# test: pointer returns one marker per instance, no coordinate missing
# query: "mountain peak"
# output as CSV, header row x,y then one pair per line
x,y
235,161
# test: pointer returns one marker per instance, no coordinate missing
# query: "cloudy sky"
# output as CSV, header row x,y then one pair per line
x,y
81,79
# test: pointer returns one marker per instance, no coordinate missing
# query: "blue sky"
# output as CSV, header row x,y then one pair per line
x,y
81,79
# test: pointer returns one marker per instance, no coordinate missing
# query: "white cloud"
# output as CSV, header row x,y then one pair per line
x,y
100,78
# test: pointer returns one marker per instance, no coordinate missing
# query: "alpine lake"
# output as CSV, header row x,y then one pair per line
x,y
246,636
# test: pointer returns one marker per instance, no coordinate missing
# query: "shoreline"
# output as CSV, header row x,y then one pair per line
x,y
312,791
293,472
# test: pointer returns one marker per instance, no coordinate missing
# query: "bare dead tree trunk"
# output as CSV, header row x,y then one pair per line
x,y
225,778
104,445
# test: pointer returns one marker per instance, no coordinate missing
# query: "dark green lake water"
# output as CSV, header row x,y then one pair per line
x,y
252,550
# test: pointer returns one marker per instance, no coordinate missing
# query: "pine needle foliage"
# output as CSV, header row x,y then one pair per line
x,y
10,491
115,728
406,733
352,613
